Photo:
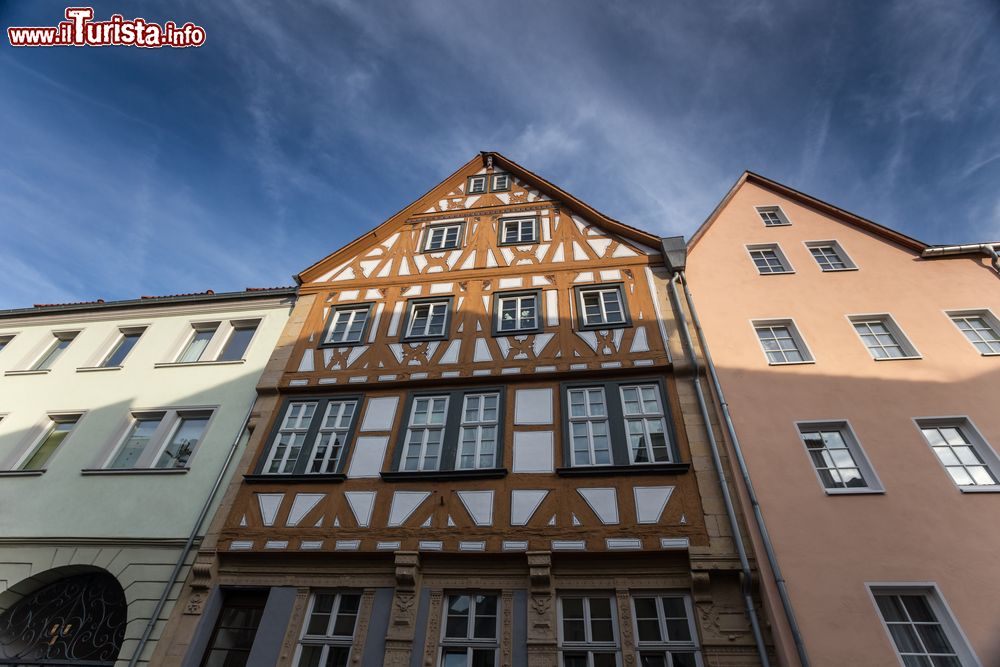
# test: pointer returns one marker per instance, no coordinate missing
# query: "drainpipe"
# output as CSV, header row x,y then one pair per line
x,y
734,526
985,248
179,565
758,516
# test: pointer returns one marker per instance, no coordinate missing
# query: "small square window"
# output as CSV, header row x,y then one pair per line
x,y
58,430
920,626
830,256
518,231
968,458
347,324
602,307
427,319
837,457
769,259
517,313
781,342
127,338
883,338
501,183
54,350
773,216
476,185
981,328
443,237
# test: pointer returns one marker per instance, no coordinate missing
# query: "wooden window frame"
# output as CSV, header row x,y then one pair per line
x,y
408,314
578,291
498,296
366,305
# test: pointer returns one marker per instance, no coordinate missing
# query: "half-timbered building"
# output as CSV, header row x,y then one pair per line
x,y
477,444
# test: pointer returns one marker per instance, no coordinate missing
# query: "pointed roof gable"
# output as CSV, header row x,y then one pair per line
x,y
812,202
454,184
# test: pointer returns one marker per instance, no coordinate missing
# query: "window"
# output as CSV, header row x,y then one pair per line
x,y
470,631
588,634
980,328
781,342
665,631
57,431
312,437
443,237
427,319
4,341
238,341
837,457
773,216
516,313
329,632
830,256
199,340
160,439
515,231
218,341
451,431
964,453
617,423
882,337
127,338
347,324
55,350
769,259
235,629
920,627
602,307
501,183
476,185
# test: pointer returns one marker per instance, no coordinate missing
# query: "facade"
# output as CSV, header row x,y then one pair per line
x,y
116,422
860,369
478,443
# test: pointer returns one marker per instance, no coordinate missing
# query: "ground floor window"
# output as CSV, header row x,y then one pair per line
x,y
235,629
470,637
329,630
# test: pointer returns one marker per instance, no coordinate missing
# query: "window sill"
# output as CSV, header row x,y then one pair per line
x,y
776,273
850,268
980,489
520,332
854,492
635,469
134,471
22,473
28,372
345,344
95,369
422,339
989,354
172,364
327,478
522,243
600,327
907,358
442,475
791,363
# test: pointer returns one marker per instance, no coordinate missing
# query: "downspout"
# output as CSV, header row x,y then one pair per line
x,y
734,526
179,565
772,559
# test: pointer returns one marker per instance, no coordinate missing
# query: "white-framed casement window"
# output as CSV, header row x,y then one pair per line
x,y
347,324
980,327
425,433
588,631
664,630
160,439
218,341
970,461
122,346
58,429
830,256
500,183
518,231
476,185
588,424
882,337
602,306
645,424
60,341
781,342
477,446
328,633
773,216
312,437
5,340
769,259
470,637
921,628
516,312
443,237
427,319
837,457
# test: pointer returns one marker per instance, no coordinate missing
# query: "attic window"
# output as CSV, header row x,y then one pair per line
x,y
773,216
443,237
501,183
477,185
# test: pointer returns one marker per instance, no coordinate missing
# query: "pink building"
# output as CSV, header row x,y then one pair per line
x,y
861,369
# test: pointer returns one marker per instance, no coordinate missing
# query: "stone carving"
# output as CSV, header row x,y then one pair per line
x,y
434,613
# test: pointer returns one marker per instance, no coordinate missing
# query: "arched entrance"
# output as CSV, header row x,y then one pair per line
x,y
76,620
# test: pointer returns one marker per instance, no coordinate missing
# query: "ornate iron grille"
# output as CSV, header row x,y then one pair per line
x,y
79,620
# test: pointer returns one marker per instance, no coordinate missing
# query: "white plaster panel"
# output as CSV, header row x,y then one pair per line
x,y
450,355
650,502
307,365
482,351
479,504
361,503
404,503
523,503
533,406
369,452
508,283
269,504
533,451
604,502
302,505
639,343
551,307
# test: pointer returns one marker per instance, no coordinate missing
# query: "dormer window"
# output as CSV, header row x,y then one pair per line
x,y
443,237
501,183
476,185
518,231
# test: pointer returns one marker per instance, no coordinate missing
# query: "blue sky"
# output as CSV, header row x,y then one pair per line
x,y
300,125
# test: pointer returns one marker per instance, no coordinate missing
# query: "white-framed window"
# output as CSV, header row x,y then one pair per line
x,y
332,436
477,446
769,259
665,631
126,340
515,231
588,631
601,306
428,319
160,439
61,341
312,437
837,457
238,341
5,340
290,438
981,328
476,185
328,632
645,424
962,450
198,341
59,428
443,237
588,424
347,324
470,637
830,256
882,337
781,342
425,433
920,626
500,183
218,341
773,216
516,312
